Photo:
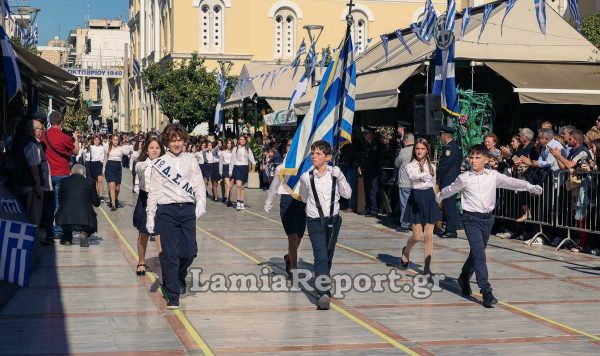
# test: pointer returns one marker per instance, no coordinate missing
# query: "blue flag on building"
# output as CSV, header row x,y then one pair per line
x,y
403,41
218,120
323,121
9,62
16,244
574,8
296,62
137,69
487,12
509,6
540,14
426,29
445,82
465,22
451,15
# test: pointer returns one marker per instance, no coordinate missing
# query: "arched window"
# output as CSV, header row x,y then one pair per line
x,y
360,30
285,33
212,24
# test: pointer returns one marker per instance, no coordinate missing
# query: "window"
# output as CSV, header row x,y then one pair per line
x,y
360,30
212,26
285,33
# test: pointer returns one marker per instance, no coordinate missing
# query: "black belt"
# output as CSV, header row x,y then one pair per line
x,y
479,215
177,204
308,218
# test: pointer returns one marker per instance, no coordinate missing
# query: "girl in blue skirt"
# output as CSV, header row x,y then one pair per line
x,y
224,162
422,210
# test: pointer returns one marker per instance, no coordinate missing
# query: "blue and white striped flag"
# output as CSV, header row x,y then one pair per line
x,y
369,40
384,44
323,59
487,11
137,69
9,62
222,83
4,9
540,14
445,82
426,29
451,15
16,244
465,22
574,8
322,118
401,38
509,6
299,91
296,62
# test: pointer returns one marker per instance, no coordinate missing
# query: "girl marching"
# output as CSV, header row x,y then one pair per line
x,y
224,162
241,157
113,168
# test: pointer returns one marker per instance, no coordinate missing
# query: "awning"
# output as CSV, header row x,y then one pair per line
x,y
281,118
278,104
551,83
42,67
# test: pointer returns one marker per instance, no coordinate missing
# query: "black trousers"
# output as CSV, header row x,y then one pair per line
x,y
371,183
323,256
478,228
450,213
176,225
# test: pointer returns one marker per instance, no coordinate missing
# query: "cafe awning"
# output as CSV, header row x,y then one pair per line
x,y
281,118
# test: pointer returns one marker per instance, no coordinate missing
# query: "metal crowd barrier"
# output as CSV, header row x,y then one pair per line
x,y
566,203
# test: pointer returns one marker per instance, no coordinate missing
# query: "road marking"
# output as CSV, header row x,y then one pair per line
x,y
178,313
505,304
335,307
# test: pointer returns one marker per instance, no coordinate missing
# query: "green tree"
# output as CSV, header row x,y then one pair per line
x,y
76,118
186,91
590,29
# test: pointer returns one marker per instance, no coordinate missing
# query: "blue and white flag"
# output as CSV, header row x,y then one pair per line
x,y
9,62
574,8
322,121
137,69
451,15
298,92
4,9
509,6
323,60
487,11
540,14
296,62
401,38
16,244
369,40
465,22
384,44
222,83
426,29
445,82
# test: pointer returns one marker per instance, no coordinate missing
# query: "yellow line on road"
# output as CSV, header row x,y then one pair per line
x,y
508,305
335,307
178,313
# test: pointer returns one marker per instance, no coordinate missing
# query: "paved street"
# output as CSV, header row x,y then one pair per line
x,y
87,301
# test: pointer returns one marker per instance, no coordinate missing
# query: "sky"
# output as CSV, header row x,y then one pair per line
x,y
69,13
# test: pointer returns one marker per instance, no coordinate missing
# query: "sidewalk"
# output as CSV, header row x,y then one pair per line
x,y
90,300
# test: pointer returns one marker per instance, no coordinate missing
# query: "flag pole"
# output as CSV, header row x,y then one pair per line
x,y
337,130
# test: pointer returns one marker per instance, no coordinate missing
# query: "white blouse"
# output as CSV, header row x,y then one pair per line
x,y
96,153
117,153
241,156
420,180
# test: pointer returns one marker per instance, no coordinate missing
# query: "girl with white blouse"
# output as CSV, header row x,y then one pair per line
x,y
241,157
224,164
422,210
97,155
113,168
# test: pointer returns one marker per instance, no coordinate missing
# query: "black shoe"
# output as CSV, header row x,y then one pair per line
x,y
173,303
83,241
182,286
402,263
449,235
465,286
489,300
141,273
229,204
113,208
224,200
288,265
323,302
66,242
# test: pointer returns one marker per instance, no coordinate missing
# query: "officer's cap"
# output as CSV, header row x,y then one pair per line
x,y
369,129
404,124
447,129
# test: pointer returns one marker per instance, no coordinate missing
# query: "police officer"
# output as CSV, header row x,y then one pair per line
x,y
448,170
369,169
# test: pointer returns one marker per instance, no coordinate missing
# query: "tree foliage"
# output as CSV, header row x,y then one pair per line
x,y
590,29
76,118
186,91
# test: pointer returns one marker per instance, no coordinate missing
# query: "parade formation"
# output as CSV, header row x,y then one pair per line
x,y
170,180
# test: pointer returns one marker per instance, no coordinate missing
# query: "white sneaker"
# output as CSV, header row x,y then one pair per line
x,y
238,206
503,235
242,206
534,241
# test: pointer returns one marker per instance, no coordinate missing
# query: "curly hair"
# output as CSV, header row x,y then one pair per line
x,y
173,131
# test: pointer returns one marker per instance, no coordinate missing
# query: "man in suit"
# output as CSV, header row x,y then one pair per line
x,y
448,170
369,169
78,197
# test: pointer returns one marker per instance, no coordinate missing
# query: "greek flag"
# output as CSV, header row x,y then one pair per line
x,y
574,8
487,11
509,6
4,9
401,38
445,83
323,59
16,243
426,30
322,121
10,206
451,15
9,62
384,43
465,22
137,69
296,62
222,83
540,14
298,92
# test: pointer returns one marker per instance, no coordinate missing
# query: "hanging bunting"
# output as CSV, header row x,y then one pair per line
x,y
299,53
487,11
540,14
384,43
574,8
509,6
465,22
451,15
265,80
368,43
401,38
323,59
426,30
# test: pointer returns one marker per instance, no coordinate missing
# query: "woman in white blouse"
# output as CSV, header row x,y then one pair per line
x,y
241,158
224,163
422,210
96,162
113,168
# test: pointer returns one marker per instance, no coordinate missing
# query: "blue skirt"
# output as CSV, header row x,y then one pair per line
x,y
215,171
240,173
95,169
225,171
206,169
293,215
113,172
422,207
139,213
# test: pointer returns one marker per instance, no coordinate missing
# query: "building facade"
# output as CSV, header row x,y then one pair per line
x,y
258,30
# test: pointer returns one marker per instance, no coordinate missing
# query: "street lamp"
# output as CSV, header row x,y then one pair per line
x,y
314,33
